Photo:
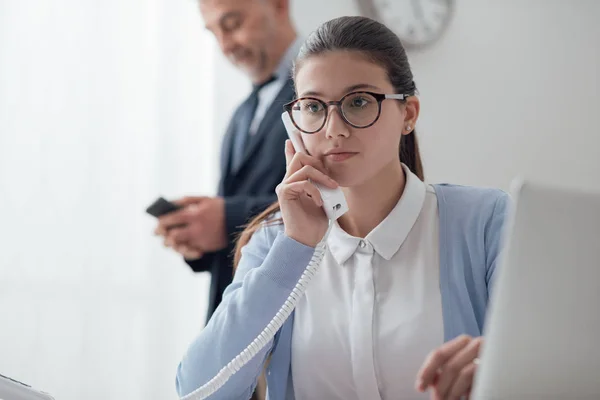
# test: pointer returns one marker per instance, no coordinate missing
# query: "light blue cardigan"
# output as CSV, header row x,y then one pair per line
x,y
471,221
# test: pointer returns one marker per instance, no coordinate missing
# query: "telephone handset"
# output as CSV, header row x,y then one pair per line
x,y
334,202
335,206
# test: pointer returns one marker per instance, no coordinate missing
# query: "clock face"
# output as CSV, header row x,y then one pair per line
x,y
417,22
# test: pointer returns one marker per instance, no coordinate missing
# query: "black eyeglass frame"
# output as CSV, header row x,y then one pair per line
x,y
380,97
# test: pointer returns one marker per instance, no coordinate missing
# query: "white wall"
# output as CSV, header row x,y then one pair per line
x,y
510,89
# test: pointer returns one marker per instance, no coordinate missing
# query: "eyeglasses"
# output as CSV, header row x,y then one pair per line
x,y
358,109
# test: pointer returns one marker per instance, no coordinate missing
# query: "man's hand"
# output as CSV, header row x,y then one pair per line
x,y
449,370
197,228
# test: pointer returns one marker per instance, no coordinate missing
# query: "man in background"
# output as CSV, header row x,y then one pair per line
x,y
258,37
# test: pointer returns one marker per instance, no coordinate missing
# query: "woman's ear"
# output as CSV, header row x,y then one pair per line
x,y
412,107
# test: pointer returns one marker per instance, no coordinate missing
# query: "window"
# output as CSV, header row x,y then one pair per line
x,y
103,107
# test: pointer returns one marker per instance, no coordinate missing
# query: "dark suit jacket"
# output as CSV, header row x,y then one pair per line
x,y
247,191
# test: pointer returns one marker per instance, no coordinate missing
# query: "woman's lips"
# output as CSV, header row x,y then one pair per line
x,y
341,156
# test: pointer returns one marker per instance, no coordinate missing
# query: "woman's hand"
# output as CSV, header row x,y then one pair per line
x,y
449,370
300,200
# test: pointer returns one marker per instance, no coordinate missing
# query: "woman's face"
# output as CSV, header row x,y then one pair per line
x,y
353,155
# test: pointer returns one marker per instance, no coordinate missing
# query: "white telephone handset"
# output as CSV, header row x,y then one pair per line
x,y
335,205
334,202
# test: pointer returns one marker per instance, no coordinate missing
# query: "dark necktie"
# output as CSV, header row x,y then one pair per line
x,y
244,117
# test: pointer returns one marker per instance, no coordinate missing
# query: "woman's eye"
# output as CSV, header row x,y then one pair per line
x,y
313,107
359,102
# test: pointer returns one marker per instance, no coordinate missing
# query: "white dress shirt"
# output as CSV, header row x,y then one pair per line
x,y
373,311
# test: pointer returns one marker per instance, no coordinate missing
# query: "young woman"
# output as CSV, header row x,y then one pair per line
x,y
399,301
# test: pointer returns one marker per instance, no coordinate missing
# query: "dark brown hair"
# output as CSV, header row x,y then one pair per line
x,y
381,46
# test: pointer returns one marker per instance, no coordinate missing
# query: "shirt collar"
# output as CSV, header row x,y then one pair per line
x,y
388,236
283,71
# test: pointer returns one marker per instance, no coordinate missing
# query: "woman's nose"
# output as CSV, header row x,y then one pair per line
x,y
336,126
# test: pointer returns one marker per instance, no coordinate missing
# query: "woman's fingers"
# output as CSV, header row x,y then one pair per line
x,y
297,160
462,384
289,152
454,367
436,360
295,190
310,172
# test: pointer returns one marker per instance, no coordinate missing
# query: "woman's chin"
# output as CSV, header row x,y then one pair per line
x,y
346,179
348,174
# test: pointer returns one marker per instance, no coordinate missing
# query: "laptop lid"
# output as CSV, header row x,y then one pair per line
x,y
542,333
11,389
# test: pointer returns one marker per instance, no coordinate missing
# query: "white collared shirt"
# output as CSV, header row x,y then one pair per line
x,y
373,311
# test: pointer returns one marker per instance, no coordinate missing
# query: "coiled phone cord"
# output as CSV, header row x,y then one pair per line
x,y
270,330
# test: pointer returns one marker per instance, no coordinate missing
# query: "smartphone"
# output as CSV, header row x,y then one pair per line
x,y
161,207
334,202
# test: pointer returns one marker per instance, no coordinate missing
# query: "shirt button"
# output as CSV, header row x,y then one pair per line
x,y
362,244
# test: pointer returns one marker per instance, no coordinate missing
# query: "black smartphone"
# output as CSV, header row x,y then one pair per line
x,y
161,207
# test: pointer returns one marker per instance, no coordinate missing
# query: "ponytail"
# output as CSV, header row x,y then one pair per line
x,y
264,217
410,154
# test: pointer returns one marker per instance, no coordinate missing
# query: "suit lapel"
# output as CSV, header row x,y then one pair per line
x,y
225,159
269,122
226,147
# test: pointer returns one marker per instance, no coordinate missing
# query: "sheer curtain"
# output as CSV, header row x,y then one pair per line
x,y
104,105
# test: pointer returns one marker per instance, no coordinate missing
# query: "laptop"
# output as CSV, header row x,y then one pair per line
x,y
542,333
11,389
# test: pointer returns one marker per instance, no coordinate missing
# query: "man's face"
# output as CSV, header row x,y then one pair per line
x,y
243,29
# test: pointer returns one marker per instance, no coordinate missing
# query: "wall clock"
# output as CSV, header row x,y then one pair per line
x,y
418,23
